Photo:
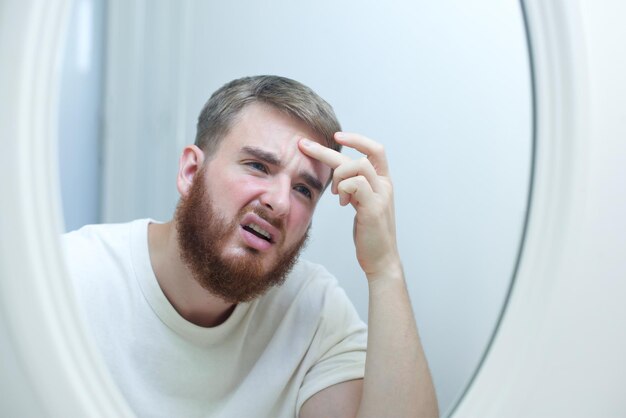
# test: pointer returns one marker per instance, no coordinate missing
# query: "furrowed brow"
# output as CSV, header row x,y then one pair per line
x,y
312,182
263,155
272,159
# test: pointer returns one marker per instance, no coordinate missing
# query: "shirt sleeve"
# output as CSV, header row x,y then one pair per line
x,y
340,345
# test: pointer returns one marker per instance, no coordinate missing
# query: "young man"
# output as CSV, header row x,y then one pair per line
x,y
211,314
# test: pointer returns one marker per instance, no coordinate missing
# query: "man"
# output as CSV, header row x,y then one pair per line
x,y
210,314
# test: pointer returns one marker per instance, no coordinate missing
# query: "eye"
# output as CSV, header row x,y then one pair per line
x,y
304,190
257,166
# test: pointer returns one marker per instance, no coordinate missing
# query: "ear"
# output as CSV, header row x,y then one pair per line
x,y
189,164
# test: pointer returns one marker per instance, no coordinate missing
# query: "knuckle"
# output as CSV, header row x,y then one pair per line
x,y
365,164
338,170
342,188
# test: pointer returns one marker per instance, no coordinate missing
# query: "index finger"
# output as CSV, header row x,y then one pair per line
x,y
326,155
375,152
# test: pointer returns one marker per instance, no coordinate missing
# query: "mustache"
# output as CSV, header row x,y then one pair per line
x,y
262,213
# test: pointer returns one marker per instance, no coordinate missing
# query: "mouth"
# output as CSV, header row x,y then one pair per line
x,y
258,231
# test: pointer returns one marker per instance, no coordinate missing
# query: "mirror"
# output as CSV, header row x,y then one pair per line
x,y
445,86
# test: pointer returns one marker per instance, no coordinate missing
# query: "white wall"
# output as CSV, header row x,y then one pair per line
x,y
444,85
80,114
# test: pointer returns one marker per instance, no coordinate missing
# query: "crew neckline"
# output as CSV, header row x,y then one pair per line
x,y
161,306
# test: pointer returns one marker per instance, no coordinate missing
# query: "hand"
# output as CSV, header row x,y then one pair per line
x,y
365,184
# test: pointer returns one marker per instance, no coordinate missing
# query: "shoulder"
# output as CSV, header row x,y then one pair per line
x,y
95,233
313,294
94,247
90,237
308,273
308,281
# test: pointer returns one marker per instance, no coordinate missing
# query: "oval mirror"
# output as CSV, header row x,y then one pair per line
x,y
445,87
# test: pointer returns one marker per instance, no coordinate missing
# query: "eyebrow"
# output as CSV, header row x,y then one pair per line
x,y
271,158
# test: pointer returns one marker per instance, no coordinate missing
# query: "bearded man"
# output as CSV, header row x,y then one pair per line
x,y
212,313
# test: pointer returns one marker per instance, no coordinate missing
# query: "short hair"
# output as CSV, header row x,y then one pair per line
x,y
289,96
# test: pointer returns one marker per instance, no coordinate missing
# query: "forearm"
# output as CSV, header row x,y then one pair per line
x,y
397,380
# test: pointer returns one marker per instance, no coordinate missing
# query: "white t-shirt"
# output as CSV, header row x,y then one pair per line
x,y
265,360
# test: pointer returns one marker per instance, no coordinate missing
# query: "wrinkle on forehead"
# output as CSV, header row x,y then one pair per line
x,y
309,176
273,131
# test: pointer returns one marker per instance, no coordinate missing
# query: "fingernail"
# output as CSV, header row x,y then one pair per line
x,y
305,142
340,135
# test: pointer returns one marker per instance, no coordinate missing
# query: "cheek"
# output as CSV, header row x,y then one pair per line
x,y
243,191
300,218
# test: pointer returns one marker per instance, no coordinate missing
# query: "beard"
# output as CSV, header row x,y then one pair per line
x,y
202,236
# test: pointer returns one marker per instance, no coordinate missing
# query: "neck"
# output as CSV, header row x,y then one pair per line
x,y
193,302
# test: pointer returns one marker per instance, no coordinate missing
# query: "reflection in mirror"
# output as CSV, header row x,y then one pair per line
x,y
445,86
80,114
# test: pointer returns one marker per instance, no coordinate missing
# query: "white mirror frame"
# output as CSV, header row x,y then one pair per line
x,y
543,360
57,370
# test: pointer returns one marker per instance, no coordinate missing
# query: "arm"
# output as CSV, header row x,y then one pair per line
x,y
397,381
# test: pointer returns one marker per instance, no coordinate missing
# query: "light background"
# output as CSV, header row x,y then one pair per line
x,y
445,87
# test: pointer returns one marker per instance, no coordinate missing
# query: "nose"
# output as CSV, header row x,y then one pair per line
x,y
276,197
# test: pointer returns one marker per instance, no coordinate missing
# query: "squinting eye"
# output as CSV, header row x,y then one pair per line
x,y
305,191
257,166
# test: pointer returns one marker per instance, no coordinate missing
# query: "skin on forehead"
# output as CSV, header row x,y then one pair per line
x,y
273,135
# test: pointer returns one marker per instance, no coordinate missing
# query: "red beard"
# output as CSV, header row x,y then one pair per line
x,y
202,234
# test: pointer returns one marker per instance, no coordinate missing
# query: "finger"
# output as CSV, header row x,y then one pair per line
x,y
375,152
328,156
355,168
355,190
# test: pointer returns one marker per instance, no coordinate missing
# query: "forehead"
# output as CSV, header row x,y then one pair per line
x,y
266,122
265,127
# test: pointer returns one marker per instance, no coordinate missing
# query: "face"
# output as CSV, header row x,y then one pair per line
x,y
245,215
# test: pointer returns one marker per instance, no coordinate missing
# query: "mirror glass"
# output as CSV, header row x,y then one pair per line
x,y
444,85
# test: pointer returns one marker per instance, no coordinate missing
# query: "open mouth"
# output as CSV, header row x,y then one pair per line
x,y
258,231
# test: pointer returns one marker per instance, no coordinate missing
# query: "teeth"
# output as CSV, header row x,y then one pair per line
x,y
260,230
